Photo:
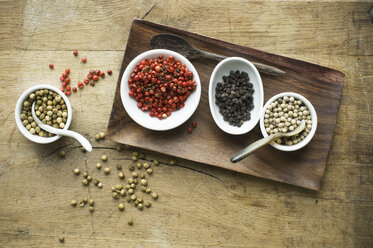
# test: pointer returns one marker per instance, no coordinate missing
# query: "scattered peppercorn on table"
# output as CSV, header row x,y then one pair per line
x,y
58,195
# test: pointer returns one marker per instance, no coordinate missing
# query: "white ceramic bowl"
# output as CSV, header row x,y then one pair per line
x,y
223,69
34,137
142,117
310,135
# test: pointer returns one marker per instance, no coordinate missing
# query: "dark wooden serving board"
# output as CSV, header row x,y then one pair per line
x,y
208,144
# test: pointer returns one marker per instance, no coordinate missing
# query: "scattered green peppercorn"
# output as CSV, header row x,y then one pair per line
x,y
139,165
133,186
121,206
119,186
83,150
62,153
98,166
133,197
102,135
143,188
61,239
140,206
107,171
155,196
134,174
149,171
141,156
123,192
172,162
91,202
73,203
121,175
85,182
119,167
115,195
76,171
130,180
135,181
148,204
128,199
131,167
89,178
156,162
146,165
130,222
97,137
144,182
91,209
135,154
104,158
140,200
134,159
99,185
85,200
128,186
81,204
85,174
142,175
96,182
130,191
148,190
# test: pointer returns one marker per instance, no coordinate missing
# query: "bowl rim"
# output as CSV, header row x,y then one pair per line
x,y
313,113
171,124
255,120
18,110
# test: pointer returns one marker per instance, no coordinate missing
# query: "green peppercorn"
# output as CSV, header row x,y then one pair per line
x,y
141,156
172,162
91,209
119,186
135,154
115,195
89,178
123,192
144,182
143,188
135,181
142,175
155,196
61,239
140,206
146,165
148,190
97,137
128,199
119,167
128,186
148,204
73,203
83,149
91,202
96,182
156,162
136,202
130,222
102,135
121,206
134,159
98,166
107,171
85,174
133,197
121,175
131,167
133,186
85,200
99,185
134,174
130,191
149,171
85,182
140,200
104,158
81,204
76,171
62,153
130,180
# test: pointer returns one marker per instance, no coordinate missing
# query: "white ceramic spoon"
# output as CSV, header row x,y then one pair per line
x,y
80,138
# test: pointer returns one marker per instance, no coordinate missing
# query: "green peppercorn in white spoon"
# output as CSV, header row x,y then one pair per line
x,y
80,138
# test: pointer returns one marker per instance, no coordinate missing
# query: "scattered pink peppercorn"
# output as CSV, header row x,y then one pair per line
x,y
67,71
102,74
86,81
68,87
62,89
98,72
84,59
80,85
64,75
89,76
62,79
95,78
64,85
194,124
91,72
74,89
68,92
67,80
109,72
190,130
75,53
51,66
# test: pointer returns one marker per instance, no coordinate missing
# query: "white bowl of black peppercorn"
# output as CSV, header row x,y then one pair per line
x,y
236,95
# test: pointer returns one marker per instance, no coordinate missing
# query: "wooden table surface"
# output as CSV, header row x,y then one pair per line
x,y
198,205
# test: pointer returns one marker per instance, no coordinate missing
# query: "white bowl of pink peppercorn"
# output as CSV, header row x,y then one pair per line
x,y
160,96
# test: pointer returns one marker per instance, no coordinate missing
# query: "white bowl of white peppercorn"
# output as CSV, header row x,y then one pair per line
x,y
19,110
236,95
283,113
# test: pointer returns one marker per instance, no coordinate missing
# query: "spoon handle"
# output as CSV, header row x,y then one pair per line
x,y
267,69
252,147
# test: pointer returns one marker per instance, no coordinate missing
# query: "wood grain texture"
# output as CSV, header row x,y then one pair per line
x,y
199,205
208,144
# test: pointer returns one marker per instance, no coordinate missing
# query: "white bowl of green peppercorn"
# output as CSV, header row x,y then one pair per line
x,y
250,101
20,107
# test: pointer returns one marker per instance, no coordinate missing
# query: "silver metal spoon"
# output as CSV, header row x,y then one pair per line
x,y
80,138
180,45
266,140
